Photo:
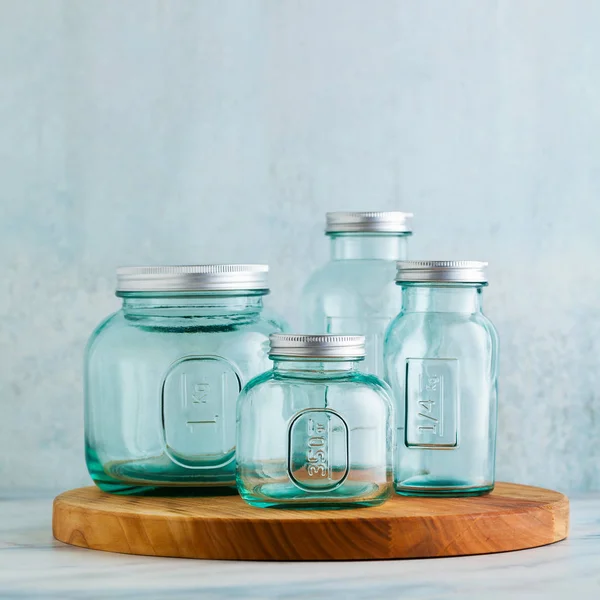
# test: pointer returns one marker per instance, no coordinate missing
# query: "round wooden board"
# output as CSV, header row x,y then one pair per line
x,y
512,517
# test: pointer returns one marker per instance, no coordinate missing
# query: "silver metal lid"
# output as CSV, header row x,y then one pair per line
x,y
441,271
317,346
369,222
192,278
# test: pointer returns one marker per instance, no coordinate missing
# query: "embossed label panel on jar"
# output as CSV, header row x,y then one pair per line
x,y
318,450
432,400
199,395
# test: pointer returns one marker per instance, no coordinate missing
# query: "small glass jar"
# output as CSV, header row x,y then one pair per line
x,y
162,375
354,293
315,431
441,355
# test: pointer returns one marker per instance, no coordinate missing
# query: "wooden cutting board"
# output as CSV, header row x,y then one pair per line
x,y
512,517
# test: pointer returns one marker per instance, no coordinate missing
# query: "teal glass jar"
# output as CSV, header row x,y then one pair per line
x,y
354,293
441,356
315,431
162,375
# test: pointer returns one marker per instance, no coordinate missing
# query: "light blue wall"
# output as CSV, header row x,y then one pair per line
x,y
166,132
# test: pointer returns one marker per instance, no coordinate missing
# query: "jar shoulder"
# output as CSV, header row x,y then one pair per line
x,y
107,328
351,274
352,289
417,327
120,334
275,320
361,383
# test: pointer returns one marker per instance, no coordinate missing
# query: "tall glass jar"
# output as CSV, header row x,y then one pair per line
x,y
441,356
354,293
315,431
162,375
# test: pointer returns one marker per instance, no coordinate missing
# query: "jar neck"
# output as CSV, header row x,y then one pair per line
x,y
191,304
384,246
456,298
295,367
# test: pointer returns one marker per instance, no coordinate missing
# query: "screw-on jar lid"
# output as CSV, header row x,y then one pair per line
x,y
441,271
192,278
369,222
317,346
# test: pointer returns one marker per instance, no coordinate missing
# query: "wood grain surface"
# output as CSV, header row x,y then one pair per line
x,y
512,517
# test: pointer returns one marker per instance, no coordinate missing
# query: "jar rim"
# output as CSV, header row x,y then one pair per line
x,y
369,222
191,294
317,346
192,278
441,271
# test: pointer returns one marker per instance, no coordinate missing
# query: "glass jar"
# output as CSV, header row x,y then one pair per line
x,y
441,356
354,293
315,431
162,375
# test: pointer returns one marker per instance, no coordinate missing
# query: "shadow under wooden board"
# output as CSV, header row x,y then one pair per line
x,y
512,517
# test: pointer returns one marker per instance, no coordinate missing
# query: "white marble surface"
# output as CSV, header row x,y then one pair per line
x,y
34,565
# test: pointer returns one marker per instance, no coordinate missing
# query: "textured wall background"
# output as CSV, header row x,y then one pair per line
x,y
164,132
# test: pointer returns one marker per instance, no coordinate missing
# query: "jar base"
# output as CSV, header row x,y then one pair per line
x,y
136,490
441,488
157,476
282,495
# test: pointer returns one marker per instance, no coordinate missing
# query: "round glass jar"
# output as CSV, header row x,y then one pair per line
x,y
315,431
354,293
162,375
441,356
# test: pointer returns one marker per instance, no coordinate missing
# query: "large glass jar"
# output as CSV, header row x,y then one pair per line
x,y
441,355
162,375
354,293
315,431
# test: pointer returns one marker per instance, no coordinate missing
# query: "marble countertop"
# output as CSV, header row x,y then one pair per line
x,y
34,565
